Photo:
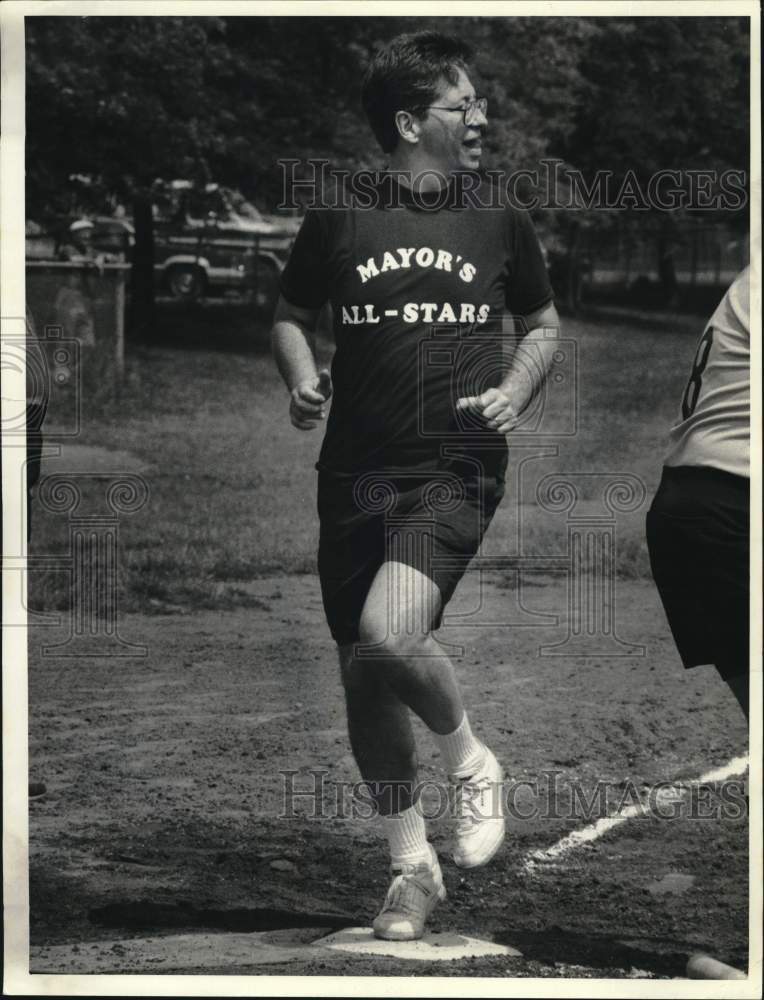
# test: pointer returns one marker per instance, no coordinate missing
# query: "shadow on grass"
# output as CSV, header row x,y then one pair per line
x,y
233,325
175,589
634,320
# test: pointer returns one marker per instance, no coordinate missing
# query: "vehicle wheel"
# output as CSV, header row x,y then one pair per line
x,y
186,281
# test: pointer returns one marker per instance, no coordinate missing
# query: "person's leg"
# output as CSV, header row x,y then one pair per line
x,y
34,463
396,639
398,646
380,732
383,745
698,541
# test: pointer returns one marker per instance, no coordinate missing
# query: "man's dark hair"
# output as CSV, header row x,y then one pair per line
x,y
405,75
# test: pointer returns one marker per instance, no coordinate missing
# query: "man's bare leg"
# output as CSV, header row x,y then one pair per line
x,y
396,629
380,732
398,657
382,739
398,666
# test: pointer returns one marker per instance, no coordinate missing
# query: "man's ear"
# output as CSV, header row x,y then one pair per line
x,y
408,126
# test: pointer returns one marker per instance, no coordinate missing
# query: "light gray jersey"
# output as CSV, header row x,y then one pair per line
x,y
714,422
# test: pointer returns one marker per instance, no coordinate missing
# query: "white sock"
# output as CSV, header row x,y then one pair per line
x,y
462,753
407,836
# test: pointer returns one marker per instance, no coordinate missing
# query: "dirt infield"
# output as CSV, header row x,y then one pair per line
x,y
161,843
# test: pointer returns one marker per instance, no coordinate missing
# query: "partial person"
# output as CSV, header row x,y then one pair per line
x,y
426,260
38,390
698,524
78,247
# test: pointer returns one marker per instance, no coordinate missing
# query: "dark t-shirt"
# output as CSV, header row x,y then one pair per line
x,y
418,291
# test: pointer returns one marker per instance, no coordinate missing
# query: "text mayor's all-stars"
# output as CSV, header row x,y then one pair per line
x,y
418,312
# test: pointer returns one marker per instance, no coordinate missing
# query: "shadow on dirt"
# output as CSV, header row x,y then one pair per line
x,y
143,915
554,945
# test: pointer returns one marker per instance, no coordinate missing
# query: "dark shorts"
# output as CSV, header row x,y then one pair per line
x,y
432,520
34,456
698,538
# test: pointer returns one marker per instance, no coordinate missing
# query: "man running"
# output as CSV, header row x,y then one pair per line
x,y
412,465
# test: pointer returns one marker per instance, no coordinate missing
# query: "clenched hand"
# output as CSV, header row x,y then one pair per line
x,y
494,407
307,403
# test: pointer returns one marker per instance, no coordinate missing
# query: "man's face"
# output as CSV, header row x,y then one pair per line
x,y
446,144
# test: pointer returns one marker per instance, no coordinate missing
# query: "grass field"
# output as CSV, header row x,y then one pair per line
x,y
232,484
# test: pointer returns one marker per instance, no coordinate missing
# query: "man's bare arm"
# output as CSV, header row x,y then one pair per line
x,y
501,407
533,357
293,346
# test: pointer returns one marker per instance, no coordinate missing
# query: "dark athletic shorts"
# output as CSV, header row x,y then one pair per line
x,y
433,520
35,415
698,537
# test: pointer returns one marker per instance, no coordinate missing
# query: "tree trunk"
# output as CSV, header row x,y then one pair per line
x,y
143,266
667,268
573,269
694,257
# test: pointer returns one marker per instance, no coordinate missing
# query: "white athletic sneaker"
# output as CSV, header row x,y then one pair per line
x,y
479,813
411,898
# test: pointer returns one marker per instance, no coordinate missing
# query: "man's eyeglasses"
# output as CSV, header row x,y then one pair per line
x,y
471,110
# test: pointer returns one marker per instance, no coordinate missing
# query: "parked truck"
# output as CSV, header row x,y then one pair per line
x,y
208,240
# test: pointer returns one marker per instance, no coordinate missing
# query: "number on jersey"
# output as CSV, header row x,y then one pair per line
x,y
692,391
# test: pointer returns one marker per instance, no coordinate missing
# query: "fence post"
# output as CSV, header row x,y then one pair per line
x,y
119,323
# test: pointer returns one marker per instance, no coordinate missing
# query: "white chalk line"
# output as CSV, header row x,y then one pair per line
x,y
738,765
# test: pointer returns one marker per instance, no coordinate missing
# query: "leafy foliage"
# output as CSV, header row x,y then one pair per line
x,y
130,99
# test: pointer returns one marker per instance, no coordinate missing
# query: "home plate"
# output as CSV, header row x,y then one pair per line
x,y
434,947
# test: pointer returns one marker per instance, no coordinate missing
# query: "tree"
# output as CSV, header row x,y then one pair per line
x,y
127,100
124,100
663,93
